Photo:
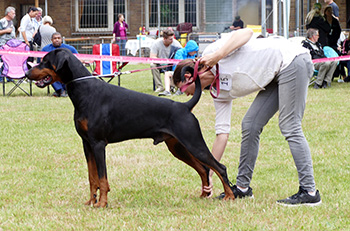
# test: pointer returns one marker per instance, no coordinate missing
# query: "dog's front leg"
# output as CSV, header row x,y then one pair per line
x,y
93,176
100,158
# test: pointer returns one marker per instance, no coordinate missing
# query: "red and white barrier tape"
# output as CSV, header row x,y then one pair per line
x,y
85,57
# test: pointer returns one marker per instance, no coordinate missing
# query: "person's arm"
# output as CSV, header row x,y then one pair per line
x,y
23,27
237,40
114,32
5,31
25,37
153,56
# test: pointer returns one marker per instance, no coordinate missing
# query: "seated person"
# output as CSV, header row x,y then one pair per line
x,y
189,52
237,24
346,51
325,69
161,49
56,38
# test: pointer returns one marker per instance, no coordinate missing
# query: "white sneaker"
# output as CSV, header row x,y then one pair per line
x,y
159,89
178,92
164,93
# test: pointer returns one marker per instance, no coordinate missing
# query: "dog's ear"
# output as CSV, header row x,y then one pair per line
x,y
61,59
184,70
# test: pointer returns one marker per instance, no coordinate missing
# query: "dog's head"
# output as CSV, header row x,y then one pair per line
x,y
55,66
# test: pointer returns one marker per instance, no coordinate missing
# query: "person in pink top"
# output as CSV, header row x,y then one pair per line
x,y
119,33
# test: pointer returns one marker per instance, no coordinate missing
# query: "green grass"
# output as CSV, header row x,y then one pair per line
x,y
44,181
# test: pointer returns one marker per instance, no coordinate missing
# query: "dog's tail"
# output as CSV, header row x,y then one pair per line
x,y
197,94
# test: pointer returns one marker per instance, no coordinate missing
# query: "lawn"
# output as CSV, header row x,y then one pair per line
x,y
44,180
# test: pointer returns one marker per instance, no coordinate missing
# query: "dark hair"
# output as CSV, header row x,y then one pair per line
x,y
56,33
180,66
167,33
32,8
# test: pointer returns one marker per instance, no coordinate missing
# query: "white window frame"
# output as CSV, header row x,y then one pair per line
x,y
110,19
181,13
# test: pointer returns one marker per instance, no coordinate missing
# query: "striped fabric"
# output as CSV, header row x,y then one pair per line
x,y
105,67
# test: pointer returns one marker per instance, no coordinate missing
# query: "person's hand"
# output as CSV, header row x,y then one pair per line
x,y
113,40
8,30
208,189
209,60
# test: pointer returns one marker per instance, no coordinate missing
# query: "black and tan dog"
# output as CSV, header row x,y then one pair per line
x,y
106,113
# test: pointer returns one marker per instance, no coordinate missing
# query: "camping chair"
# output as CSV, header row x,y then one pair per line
x,y
329,52
107,67
14,67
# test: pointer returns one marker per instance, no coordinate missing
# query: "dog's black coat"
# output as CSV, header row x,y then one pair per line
x,y
106,113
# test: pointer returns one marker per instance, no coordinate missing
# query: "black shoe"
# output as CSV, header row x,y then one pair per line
x,y
324,84
63,94
301,198
316,86
238,193
55,94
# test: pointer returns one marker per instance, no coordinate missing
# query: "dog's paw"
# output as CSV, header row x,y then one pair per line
x,y
91,202
101,205
229,197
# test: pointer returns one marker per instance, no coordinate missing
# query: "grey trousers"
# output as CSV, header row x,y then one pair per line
x,y
286,94
156,77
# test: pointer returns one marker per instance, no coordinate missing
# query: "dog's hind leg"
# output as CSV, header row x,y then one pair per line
x,y
180,152
191,138
93,175
99,151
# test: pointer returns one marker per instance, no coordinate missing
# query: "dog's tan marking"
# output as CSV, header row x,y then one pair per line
x,y
38,74
83,124
93,179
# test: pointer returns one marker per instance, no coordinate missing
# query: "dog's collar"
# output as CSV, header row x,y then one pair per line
x,y
81,78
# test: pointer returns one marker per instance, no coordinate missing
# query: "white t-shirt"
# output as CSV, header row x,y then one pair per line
x,y
254,65
27,25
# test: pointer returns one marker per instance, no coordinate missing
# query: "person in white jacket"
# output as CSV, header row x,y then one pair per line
x,y
280,71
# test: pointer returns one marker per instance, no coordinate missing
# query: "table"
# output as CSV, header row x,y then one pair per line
x,y
133,45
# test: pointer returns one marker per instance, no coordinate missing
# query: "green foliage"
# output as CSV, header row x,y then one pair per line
x,y
44,180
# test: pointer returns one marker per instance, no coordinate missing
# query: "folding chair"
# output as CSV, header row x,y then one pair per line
x,y
107,67
14,67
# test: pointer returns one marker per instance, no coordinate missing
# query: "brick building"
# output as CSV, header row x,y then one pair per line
x,y
78,18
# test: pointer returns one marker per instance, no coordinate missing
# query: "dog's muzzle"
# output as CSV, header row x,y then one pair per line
x,y
44,82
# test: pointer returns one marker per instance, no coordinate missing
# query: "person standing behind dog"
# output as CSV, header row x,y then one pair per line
x,y
38,20
161,49
314,19
27,28
119,33
56,38
334,7
335,32
281,72
46,31
7,30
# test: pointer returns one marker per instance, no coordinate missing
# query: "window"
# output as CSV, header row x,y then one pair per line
x,y
172,12
98,15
